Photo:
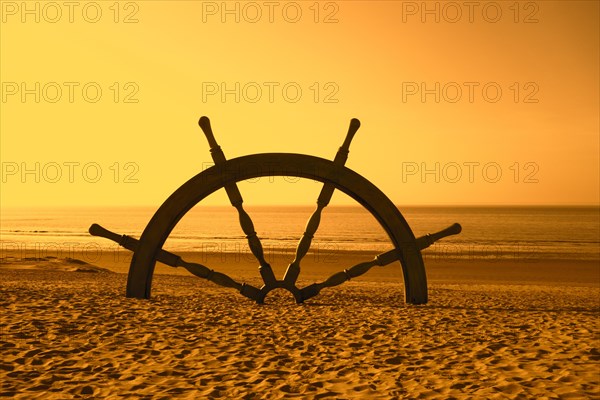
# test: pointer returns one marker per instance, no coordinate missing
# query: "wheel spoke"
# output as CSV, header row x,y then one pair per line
x,y
293,270
381,260
236,200
174,260
352,272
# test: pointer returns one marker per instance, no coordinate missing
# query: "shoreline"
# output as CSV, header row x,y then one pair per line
x,y
320,266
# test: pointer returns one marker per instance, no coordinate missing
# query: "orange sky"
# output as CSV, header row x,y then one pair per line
x,y
542,137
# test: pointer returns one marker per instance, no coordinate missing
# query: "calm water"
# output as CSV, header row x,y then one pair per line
x,y
488,232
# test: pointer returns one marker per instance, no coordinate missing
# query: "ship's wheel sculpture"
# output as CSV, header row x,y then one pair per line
x,y
226,173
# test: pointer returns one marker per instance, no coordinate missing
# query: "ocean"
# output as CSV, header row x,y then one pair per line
x,y
489,233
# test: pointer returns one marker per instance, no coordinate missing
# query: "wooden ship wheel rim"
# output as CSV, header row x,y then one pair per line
x,y
226,173
231,171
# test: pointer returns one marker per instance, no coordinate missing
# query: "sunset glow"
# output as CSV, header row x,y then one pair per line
x,y
478,108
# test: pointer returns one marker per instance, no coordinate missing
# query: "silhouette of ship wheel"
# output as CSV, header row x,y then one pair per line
x,y
226,173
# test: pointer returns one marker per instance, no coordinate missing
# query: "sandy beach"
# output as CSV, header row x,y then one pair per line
x,y
506,330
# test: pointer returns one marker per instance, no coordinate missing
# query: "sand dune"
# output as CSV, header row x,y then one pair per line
x,y
49,263
74,335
